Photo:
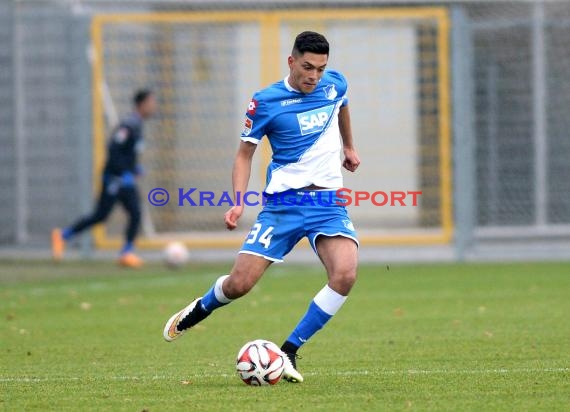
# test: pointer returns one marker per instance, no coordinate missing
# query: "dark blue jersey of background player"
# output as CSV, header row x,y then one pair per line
x,y
119,182
124,144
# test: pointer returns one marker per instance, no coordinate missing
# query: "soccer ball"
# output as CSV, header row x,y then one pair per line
x,y
260,362
175,254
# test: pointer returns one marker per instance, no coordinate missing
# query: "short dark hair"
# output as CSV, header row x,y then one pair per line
x,y
312,42
140,96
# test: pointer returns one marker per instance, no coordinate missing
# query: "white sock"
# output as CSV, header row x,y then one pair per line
x,y
329,300
219,292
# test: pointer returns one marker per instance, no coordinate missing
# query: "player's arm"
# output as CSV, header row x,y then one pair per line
x,y
240,179
351,159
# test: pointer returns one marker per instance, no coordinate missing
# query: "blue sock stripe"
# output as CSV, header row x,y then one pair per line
x,y
311,323
210,302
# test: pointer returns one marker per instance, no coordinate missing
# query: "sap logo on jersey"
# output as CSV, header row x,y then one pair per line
x,y
315,120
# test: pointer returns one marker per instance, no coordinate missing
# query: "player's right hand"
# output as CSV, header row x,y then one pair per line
x,y
232,216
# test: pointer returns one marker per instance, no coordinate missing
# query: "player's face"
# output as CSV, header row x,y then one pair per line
x,y
148,107
306,70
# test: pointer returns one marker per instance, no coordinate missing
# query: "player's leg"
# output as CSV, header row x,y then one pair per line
x,y
339,256
247,270
129,198
272,236
333,238
107,198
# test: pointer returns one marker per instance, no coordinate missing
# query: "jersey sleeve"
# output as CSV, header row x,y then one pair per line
x,y
256,121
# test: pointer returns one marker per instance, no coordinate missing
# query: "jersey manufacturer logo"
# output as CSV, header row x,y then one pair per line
x,y
315,120
289,102
252,107
330,92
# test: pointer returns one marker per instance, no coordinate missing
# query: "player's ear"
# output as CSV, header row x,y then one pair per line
x,y
290,61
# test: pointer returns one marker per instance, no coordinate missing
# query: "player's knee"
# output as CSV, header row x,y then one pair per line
x,y
342,281
348,279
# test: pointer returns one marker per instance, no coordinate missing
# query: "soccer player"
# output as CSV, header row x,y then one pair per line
x,y
119,181
305,117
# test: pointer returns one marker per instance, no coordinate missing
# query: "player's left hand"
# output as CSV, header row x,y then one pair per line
x,y
351,160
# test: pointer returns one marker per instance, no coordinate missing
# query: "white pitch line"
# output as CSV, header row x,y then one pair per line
x,y
340,373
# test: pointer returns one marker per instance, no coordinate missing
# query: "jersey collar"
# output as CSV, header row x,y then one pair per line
x,y
288,86
135,115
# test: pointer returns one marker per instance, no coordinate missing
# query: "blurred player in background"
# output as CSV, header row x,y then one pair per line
x,y
119,181
305,117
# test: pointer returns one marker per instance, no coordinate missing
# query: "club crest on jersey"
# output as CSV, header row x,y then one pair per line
x,y
330,92
315,120
252,107
248,126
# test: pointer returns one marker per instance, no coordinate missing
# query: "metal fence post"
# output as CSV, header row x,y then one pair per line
x,y
463,130
539,94
20,196
81,127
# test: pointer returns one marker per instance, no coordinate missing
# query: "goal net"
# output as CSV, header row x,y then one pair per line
x,y
205,66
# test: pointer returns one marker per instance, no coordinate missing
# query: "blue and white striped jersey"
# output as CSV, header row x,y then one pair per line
x,y
303,132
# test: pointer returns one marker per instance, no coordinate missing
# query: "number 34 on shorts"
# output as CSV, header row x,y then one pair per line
x,y
257,235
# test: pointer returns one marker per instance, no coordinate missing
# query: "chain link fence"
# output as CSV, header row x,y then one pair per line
x,y
522,96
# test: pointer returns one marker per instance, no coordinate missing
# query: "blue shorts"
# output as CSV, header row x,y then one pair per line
x,y
289,216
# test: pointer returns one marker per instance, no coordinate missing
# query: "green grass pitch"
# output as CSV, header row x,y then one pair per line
x,y
481,337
